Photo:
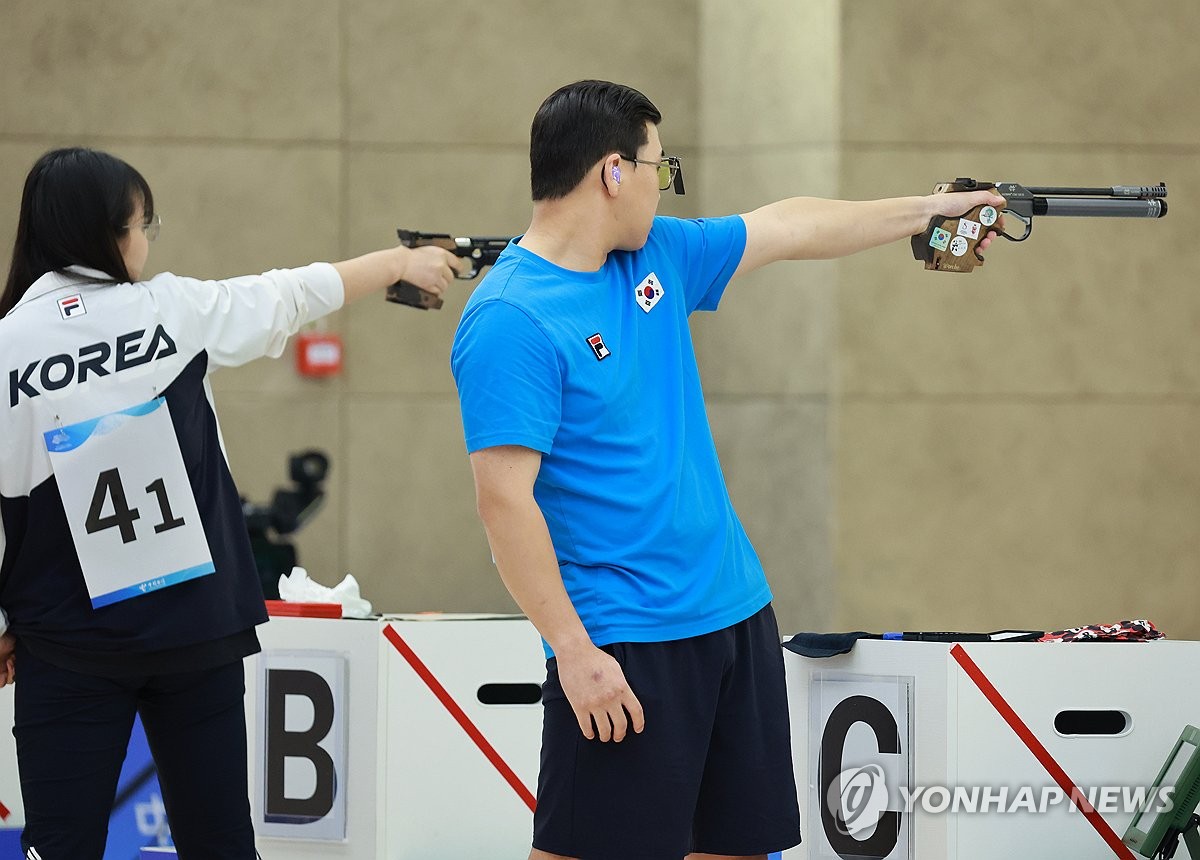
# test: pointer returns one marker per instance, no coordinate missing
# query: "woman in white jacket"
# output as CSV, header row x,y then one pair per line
x,y
127,583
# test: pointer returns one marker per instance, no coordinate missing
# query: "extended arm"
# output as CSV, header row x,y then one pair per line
x,y
811,228
592,680
430,268
240,319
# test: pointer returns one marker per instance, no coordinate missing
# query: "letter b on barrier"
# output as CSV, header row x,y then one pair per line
x,y
283,744
302,744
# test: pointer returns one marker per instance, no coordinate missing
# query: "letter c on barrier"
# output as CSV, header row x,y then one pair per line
x,y
856,709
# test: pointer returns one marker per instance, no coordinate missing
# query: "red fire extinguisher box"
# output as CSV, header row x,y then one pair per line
x,y
318,354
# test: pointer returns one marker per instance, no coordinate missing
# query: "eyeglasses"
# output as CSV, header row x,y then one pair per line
x,y
151,228
669,171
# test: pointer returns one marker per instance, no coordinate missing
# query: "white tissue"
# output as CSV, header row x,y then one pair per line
x,y
296,587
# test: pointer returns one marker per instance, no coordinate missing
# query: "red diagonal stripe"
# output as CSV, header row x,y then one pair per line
x,y
4,812
1040,753
460,716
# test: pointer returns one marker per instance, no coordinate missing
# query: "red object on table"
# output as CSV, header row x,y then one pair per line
x,y
304,610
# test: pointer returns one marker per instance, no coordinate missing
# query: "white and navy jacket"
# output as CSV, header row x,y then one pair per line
x,y
77,346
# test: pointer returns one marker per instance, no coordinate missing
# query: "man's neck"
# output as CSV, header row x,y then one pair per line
x,y
567,236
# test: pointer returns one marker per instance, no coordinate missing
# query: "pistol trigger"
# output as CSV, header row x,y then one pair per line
x,y
1028,222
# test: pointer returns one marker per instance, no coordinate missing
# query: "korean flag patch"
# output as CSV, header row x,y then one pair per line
x,y
648,292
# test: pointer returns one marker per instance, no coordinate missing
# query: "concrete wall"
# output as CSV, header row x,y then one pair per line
x,y
770,89
1016,448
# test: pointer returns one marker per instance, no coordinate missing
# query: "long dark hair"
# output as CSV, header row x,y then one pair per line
x,y
74,207
579,124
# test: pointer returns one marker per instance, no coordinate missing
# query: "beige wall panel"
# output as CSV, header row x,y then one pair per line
x,y
391,347
226,210
772,332
260,433
769,72
205,68
413,539
475,71
232,210
1018,514
1029,70
15,160
725,182
483,192
775,456
1096,305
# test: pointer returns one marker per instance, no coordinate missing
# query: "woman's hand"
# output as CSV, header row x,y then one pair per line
x,y
431,268
8,662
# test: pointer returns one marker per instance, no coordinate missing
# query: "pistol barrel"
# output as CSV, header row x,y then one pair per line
x,y
1098,207
1127,191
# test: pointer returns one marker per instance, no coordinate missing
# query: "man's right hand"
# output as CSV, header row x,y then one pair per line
x,y
599,694
8,662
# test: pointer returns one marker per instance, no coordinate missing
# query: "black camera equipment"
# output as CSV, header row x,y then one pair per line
x,y
289,511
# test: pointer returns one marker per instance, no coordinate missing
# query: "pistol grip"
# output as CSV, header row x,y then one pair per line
x,y
404,293
951,244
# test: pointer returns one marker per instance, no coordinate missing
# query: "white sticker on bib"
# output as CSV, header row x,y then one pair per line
x,y
129,502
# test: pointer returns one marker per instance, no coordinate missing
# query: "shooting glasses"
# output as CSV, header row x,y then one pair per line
x,y
669,171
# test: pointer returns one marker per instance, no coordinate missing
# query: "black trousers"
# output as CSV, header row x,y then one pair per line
x,y
72,731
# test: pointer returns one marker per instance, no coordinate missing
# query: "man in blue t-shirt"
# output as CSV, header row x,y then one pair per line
x,y
598,484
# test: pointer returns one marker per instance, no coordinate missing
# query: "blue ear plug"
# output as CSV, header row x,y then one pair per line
x,y
616,175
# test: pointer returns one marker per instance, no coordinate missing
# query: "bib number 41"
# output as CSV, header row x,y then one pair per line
x,y
112,472
109,486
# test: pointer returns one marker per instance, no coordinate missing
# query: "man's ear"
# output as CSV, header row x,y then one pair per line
x,y
610,174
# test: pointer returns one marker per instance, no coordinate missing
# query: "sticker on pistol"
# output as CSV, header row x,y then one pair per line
x,y
970,229
959,246
988,216
940,239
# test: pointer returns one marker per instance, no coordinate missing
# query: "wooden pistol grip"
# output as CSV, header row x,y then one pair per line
x,y
404,293
952,244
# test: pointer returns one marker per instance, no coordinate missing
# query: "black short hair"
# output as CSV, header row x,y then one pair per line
x,y
74,207
579,124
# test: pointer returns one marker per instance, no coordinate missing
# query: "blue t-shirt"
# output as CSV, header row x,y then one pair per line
x,y
596,371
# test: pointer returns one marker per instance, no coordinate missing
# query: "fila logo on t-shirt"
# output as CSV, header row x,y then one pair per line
x,y
71,306
596,342
648,292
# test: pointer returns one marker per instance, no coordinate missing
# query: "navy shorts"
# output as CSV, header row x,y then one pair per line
x,y
711,772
